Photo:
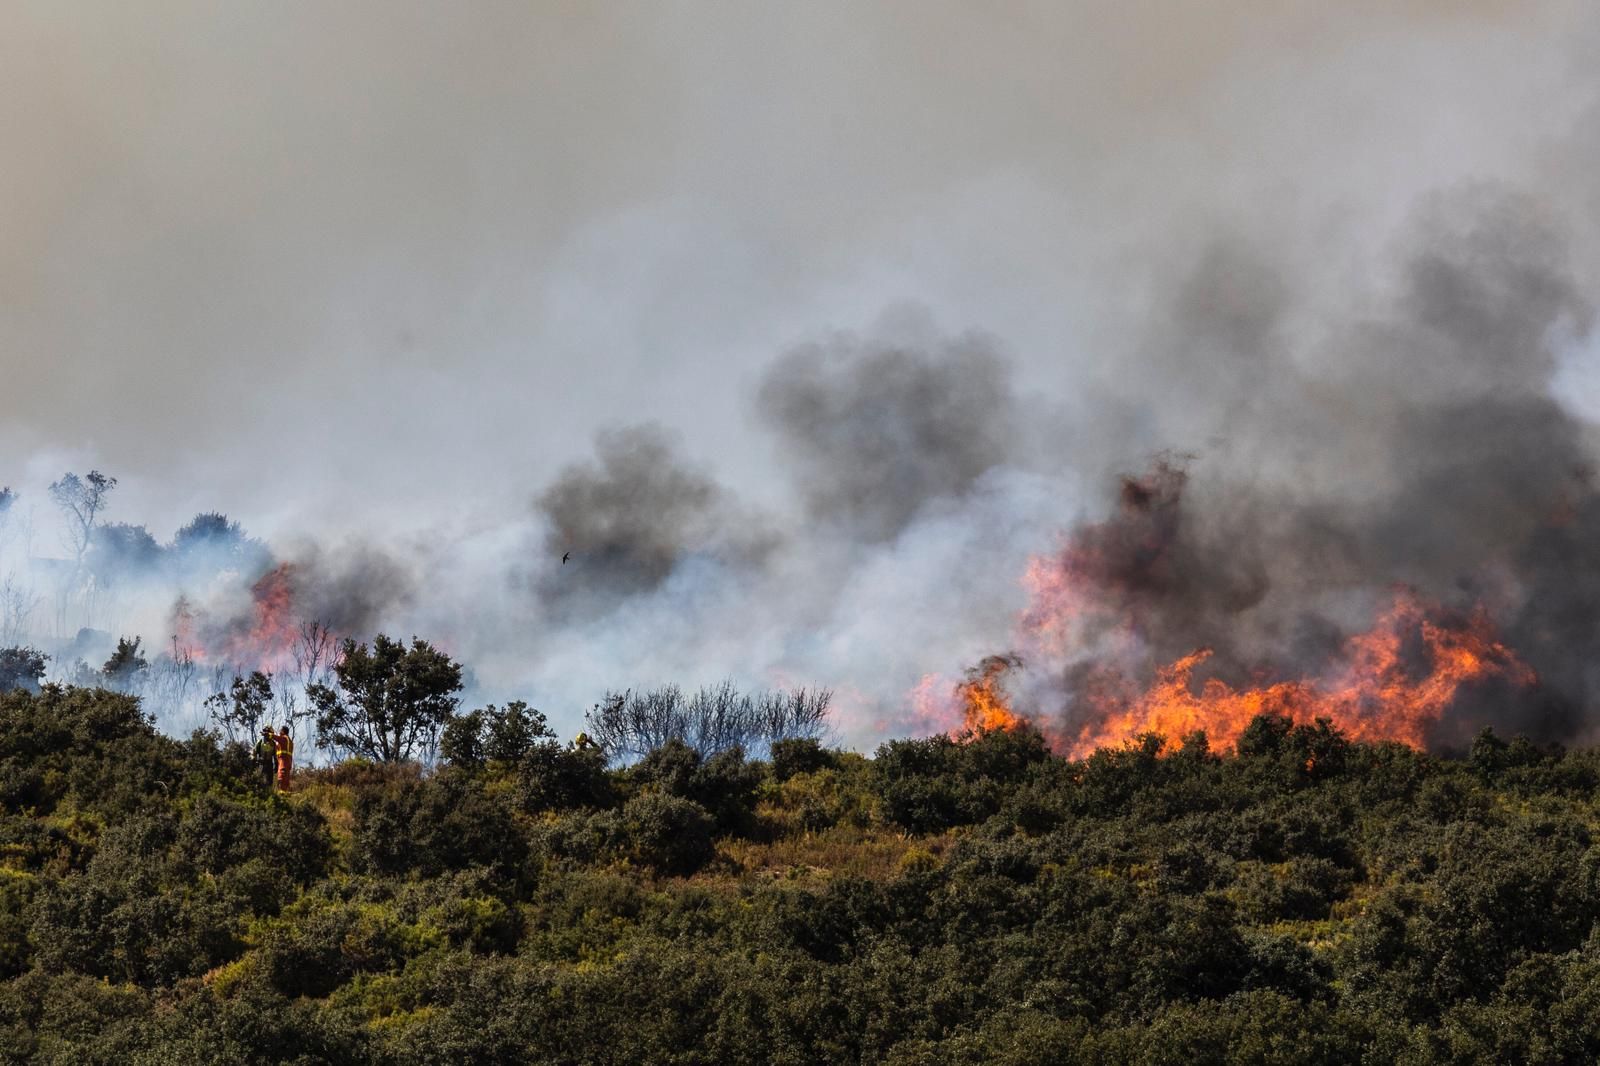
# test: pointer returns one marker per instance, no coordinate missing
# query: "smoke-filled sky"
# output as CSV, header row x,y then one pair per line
x,y
802,325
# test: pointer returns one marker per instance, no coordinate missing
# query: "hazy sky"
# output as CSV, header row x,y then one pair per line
x,y
259,257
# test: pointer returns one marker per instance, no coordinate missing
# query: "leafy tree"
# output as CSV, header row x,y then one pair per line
x,y
120,548
125,665
449,821
210,540
518,740
391,701
491,734
461,741
667,832
241,710
799,755
551,776
21,668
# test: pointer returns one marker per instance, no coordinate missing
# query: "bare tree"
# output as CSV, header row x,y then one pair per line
x,y
316,650
170,683
315,654
17,602
715,719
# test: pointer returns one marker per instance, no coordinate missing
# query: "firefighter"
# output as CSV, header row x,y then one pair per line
x,y
266,753
583,743
285,754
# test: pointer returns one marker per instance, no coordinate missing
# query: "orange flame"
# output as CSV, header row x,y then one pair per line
x,y
1102,600
976,704
270,638
1372,696
263,639
983,700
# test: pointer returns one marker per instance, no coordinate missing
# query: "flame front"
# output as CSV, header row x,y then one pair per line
x,y
1371,695
1115,590
261,636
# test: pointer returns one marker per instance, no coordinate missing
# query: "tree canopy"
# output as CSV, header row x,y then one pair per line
x,y
390,701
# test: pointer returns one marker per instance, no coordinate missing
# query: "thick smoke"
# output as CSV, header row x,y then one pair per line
x,y
630,517
875,429
1417,444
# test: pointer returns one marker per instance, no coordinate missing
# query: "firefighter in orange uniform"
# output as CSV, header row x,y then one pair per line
x,y
285,753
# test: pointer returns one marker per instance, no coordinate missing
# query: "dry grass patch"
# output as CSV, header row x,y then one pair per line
x,y
875,854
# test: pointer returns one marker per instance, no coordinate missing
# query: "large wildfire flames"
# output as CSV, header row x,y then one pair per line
x,y
1395,681
1377,692
264,637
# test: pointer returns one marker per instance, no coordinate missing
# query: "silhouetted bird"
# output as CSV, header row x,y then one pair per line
x,y
564,557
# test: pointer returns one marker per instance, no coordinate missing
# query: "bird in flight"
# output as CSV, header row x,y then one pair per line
x,y
564,557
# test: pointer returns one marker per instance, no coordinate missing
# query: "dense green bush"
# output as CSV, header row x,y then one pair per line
x,y
724,785
800,755
449,821
970,900
933,784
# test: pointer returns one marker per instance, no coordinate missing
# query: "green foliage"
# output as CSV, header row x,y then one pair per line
x,y
551,777
934,784
656,830
970,900
492,735
799,755
518,743
21,668
724,785
669,833
242,710
88,748
445,822
125,665
391,702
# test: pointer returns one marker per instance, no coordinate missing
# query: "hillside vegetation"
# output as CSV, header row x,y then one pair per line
x,y
1306,900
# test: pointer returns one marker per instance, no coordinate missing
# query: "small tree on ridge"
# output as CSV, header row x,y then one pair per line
x,y
390,702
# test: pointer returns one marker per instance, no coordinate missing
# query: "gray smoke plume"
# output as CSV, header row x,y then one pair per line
x,y
1418,445
875,429
631,516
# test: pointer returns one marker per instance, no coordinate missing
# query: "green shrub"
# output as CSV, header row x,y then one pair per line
x,y
799,755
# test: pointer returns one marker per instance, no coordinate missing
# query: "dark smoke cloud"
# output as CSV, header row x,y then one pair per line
x,y
353,588
875,427
630,516
1421,446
